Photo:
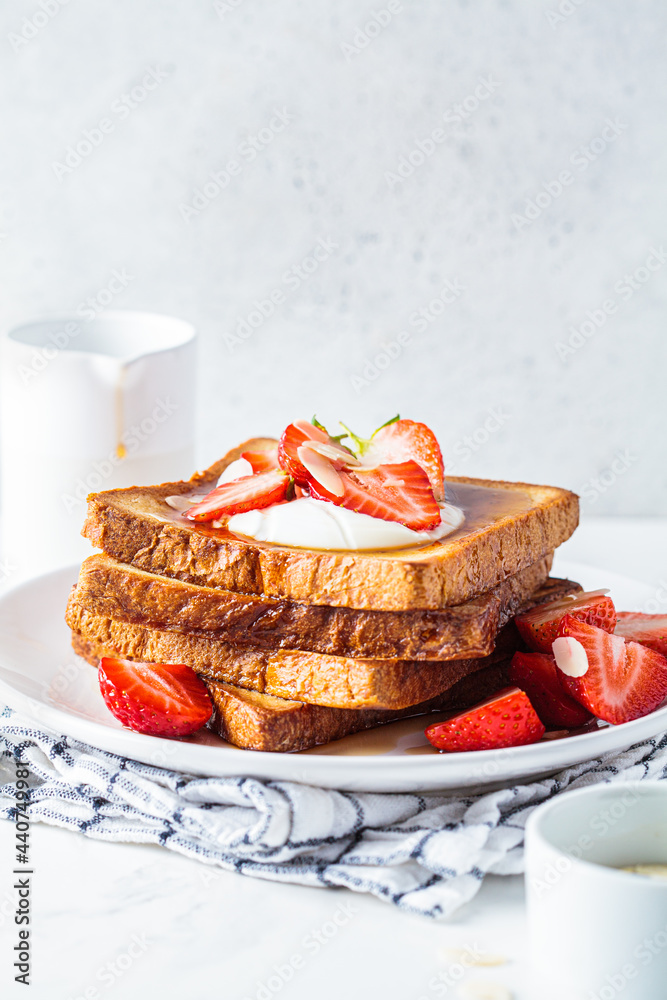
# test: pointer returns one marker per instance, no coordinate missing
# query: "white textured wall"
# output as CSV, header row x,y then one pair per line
x,y
353,113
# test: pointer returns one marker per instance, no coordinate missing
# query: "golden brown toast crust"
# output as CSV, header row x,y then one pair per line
x,y
256,721
116,590
247,723
316,678
136,526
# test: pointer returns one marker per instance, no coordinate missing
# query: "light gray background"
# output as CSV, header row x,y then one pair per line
x,y
555,79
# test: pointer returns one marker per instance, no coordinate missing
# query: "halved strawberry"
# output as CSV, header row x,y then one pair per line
x,y
615,679
262,459
399,441
649,630
399,493
505,720
155,698
539,627
248,493
291,440
538,676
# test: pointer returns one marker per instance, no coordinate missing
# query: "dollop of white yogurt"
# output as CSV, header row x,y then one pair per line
x,y
317,524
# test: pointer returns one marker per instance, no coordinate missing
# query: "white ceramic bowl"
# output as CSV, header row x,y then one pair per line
x,y
598,933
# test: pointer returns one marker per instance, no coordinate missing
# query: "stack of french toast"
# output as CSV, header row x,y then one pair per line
x,y
319,589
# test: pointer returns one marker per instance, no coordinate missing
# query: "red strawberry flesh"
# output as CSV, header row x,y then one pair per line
x,y
405,440
538,676
293,437
247,493
539,627
262,460
649,630
623,680
506,720
400,493
154,698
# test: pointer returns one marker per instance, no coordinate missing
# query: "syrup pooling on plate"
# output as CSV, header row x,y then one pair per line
x,y
406,738
395,738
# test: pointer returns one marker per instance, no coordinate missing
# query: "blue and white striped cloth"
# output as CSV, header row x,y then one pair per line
x,y
427,855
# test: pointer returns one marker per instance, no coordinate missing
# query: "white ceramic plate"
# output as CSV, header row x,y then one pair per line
x,y
41,676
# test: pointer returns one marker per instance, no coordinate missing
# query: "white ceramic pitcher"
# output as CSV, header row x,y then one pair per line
x,y
87,405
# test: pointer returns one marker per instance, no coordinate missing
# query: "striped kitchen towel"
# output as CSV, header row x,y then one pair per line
x,y
425,854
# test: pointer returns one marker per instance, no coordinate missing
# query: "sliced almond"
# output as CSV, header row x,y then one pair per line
x,y
321,470
333,452
182,503
570,656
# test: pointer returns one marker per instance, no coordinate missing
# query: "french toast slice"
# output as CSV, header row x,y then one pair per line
x,y
255,721
116,590
318,678
507,527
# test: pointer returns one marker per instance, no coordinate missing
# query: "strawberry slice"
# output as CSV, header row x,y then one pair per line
x,y
248,493
539,627
506,720
155,698
649,630
399,493
293,437
538,676
615,679
400,441
262,460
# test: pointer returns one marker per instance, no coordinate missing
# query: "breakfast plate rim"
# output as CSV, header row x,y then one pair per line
x,y
354,772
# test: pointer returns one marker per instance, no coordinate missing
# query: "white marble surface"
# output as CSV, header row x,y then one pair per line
x,y
225,937
536,90
193,931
